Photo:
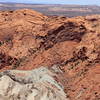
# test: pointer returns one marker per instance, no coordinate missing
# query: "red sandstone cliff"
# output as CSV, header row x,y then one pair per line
x,y
29,40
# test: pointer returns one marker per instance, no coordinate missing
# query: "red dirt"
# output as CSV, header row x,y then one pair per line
x,y
29,39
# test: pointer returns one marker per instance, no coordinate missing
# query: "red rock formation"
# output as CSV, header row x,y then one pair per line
x,y
29,40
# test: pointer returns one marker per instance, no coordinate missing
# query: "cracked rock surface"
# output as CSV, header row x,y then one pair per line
x,y
37,84
29,40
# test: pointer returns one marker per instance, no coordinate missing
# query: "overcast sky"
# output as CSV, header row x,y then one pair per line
x,y
81,2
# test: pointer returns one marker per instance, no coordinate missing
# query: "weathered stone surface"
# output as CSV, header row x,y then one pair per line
x,y
29,40
37,84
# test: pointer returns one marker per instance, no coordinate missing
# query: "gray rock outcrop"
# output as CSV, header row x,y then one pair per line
x,y
37,84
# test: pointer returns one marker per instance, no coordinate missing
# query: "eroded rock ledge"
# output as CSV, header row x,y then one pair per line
x,y
37,84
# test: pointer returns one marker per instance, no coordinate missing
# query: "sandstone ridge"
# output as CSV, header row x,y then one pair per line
x,y
29,40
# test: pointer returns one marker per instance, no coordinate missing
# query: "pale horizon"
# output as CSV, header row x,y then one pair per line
x,y
69,2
